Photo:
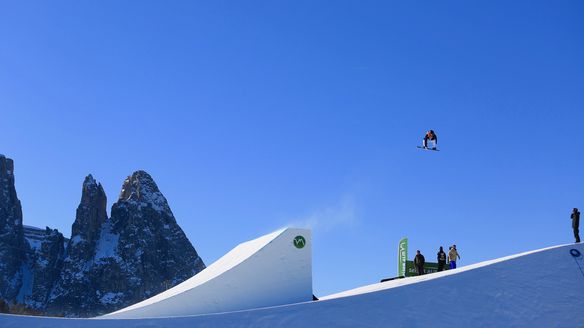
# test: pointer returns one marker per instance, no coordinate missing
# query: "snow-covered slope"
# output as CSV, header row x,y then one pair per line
x,y
266,271
543,288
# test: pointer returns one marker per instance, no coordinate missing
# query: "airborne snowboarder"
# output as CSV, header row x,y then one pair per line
x,y
430,135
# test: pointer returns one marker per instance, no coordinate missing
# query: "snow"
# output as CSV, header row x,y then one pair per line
x,y
543,288
263,272
158,201
32,228
43,262
107,244
413,280
27,282
34,236
35,244
76,240
111,298
143,192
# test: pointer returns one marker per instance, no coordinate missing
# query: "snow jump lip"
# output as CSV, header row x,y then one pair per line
x,y
275,269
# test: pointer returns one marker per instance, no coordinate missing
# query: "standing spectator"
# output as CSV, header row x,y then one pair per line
x,y
419,263
441,256
452,255
4,306
576,224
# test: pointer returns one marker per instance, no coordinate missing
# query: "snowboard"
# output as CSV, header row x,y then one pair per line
x,y
390,279
428,148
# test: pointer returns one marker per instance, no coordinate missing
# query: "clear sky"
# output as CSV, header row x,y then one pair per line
x,y
253,115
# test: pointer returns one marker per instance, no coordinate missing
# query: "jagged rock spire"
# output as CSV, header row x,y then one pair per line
x,y
9,204
73,288
91,212
30,259
12,248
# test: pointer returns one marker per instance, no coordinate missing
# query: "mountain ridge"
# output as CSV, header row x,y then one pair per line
x,y
108,263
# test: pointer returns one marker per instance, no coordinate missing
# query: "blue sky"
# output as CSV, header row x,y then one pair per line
x,y
254,115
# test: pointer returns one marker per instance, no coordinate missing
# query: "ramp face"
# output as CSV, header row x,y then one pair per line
x,y
274,269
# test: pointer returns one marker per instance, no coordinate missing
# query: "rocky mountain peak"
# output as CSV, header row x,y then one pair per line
x,y
91,189
91,212
12,247
108,264
138,252
7,190
141,188
89,183
10,209
6,166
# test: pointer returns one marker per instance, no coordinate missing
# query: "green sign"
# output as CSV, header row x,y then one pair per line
x,y
299,242
402,257
406,268
429,267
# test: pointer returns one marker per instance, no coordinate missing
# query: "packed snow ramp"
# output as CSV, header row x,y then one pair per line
x,y
274,269
543,288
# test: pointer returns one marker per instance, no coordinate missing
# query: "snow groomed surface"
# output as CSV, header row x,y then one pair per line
x,y
275,269
543,288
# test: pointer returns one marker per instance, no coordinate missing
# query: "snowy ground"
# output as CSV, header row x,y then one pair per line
x,y
543,288
266,271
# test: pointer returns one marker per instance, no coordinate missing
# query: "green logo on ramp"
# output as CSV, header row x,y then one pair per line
x,y
299,242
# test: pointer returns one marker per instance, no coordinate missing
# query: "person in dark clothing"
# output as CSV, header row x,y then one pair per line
x,y
4,306
430,135
576,224
441,256
419,263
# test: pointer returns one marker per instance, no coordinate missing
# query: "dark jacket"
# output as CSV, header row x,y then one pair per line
x,y
575,219
431,136
441,256
419,260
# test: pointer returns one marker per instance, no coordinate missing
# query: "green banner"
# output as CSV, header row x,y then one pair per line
x,y
402,257
429,267
405,268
